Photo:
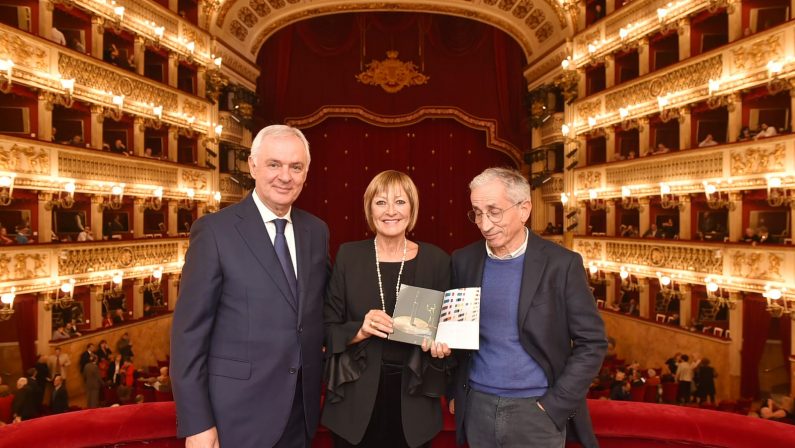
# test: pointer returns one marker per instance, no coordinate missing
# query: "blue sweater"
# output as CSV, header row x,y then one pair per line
x,y
501,367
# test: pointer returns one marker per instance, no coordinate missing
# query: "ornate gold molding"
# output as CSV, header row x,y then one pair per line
x,y
392,74
758,159
488,126
24,159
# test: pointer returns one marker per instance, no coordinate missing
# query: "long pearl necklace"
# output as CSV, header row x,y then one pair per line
x,y
378,270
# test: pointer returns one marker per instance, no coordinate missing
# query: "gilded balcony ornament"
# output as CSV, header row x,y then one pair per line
x,y
392,74
715,5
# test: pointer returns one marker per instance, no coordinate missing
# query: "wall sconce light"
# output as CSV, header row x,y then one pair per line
x,y
7,304
627,201
115,198
62,200
717,296
6,189
595,275
217,62
668,287
214,203
64,296
159,32
154,202
66,100
154,280
157,121
118,11
191,48
594,202
115,112
591,121
6,68
667,199
187,203
777,303
717,199
629,282
775,84
776,195
114,287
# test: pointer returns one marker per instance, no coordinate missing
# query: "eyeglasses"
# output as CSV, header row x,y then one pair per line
x,y
494,214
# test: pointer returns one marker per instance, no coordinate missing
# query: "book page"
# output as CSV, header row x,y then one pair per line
x,y
459,322
416,314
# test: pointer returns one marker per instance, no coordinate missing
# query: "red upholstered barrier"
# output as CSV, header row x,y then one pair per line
x,y
617,425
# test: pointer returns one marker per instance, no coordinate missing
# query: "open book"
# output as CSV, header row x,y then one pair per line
x,y
451,317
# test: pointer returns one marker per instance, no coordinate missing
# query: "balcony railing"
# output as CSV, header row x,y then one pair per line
x,y
143,17
734,266
43,267
44,166
638,19
732,167
41,64
735,67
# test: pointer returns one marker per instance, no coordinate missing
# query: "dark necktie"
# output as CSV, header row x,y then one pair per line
x,y
283,252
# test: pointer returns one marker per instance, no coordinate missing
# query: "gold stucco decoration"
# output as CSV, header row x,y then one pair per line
x,y
392,74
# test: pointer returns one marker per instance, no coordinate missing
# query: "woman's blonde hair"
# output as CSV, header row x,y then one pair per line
x,y
382,183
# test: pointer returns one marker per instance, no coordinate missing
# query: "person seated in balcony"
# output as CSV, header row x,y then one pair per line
x,y
750,236
118,317
4,238
119,148
57,36
550,229
652,232
668,230
765,236
85,234
148,153
765,131
60,333
660,149
745,134
112,54
107,320
628,231
77,140
23,235
708,141
71,328
598,12
77,45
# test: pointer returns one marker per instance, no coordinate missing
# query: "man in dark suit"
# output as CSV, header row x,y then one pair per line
x,y
23,406
247,333
60,398
86,356
542,340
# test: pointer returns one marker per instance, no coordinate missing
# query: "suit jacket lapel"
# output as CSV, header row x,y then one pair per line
x,y
535,261
303,248
255,234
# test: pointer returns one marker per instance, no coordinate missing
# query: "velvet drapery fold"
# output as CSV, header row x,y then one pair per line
x,y
756,328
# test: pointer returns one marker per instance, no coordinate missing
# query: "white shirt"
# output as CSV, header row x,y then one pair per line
x,y
517,253
268,216
57,36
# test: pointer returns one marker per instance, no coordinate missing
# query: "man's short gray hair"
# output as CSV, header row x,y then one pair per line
x,y
515,184
278,130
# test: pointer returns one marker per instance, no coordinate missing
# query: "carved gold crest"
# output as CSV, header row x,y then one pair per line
x,y
392,74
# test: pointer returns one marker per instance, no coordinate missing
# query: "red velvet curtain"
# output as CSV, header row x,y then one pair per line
x,y
471,66
441,155
756,329
786,342
25,312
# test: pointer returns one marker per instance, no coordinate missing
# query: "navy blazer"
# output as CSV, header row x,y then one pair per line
x,y
559,326
239,338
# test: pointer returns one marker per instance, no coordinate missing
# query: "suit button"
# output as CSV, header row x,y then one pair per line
x,y
300,329
292,370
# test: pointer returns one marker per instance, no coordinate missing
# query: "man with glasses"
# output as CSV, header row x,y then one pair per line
x,y
542,340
